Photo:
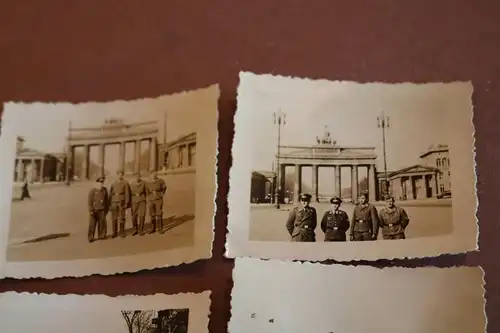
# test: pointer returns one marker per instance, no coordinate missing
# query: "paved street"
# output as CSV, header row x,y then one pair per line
x,y
53,225
268,223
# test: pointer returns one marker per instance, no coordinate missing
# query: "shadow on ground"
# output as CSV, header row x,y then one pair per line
x,y
168,224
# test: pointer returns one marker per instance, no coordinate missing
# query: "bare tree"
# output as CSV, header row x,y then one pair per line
x,y
138,321
143,322
130,318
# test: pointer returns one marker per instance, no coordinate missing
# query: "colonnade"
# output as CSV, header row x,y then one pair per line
x,y
153,155
338,179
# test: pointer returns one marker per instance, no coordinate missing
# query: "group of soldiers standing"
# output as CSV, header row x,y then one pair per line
x,y
121,196
363,226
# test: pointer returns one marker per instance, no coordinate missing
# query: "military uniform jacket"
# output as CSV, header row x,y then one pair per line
x,y
393,221
138,191
365,219
156,189
120,192
335,225
301,224
98,199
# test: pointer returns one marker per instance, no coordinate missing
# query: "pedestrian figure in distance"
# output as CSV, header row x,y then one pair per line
x,y
302,221
393,220
156,189
25,193
138,194
98,209
120,201
335,222
364,221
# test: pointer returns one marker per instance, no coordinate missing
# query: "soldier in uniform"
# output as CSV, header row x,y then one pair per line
x,y
364,221
393,220
138,194
120,201
156,189
98,209
335,222
302,221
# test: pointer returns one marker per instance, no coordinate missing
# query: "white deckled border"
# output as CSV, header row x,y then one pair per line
x,y
22,312
462,152
206,102
294,297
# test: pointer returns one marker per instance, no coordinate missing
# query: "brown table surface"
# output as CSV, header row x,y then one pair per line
x,y
77,51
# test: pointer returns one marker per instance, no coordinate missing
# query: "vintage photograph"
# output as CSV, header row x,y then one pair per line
x,y
133,180
344,162
181,313
361,299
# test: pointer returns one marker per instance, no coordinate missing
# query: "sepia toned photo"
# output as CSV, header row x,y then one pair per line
x,y
108,187
361,299
343,170
180,313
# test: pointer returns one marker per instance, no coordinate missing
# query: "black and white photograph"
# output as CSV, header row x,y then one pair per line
x,y
180,313
282,296
108,187
345,170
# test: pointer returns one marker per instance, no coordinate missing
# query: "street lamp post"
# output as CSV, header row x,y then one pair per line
x,y
383,123
280,120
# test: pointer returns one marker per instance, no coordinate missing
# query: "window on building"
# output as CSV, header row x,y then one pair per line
x,y
441,188
444,162
192,154
449,173
438,162
440,176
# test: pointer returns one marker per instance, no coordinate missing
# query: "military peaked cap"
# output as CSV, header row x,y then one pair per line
x,y
100,180
305,196
336,200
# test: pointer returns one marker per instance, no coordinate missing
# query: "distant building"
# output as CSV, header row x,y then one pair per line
x,y
262,188
438,156
35,166
179,153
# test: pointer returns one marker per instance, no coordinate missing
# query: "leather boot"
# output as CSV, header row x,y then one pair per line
x,y
115,229
160,225
153,222
122,229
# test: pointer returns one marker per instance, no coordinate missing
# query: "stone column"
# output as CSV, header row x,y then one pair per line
x,y
185,159
137,159
354,182
153,154
42,173
372,192
20,170
296,184
121,157
32,170
102,153
281,182
434,185
86,163
338,181
314,183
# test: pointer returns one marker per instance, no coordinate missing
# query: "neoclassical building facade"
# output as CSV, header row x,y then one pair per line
x,y
429,179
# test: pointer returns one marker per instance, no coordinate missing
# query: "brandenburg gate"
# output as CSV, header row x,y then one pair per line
x,y
327,154
112,132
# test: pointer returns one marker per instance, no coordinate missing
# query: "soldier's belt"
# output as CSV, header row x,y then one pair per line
x,y
390,225
364,221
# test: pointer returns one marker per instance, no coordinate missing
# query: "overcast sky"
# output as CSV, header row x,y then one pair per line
x,y
420,115
45,126
51,320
